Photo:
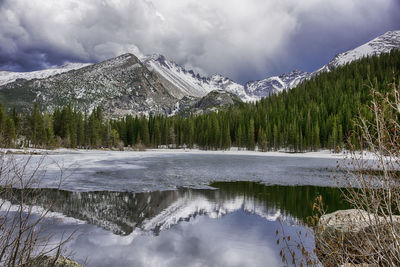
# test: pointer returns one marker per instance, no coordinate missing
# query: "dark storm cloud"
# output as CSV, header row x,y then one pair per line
x,y
320,37
240,39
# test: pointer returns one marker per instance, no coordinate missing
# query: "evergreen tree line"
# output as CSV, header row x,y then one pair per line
x,y
63,128
317,114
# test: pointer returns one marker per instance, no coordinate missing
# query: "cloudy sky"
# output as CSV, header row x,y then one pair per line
x,y
244,40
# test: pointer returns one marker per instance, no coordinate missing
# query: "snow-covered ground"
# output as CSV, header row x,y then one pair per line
x,y
150,152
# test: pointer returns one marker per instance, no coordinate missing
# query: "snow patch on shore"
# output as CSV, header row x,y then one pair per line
x,y
150,152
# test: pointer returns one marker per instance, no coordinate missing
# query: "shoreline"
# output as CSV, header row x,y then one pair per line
x,y
160,151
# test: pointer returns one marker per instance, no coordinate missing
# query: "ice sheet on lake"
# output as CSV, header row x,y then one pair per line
x,y
162,170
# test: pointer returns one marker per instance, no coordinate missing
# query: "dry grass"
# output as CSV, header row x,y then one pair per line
x,y
22,242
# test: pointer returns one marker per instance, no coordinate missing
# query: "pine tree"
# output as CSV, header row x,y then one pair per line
x,y
3,119
48,131
226,138
276,137
36,125
262,140
9,132
250,136
238,137
157,134
145,132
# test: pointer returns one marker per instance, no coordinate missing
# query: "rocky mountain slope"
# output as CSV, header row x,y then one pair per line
x,y
275,84
190,83
122,85
213,101
9,76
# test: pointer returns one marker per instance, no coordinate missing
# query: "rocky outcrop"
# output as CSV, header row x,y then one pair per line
x,y
47,261
355,236
213,101
275,84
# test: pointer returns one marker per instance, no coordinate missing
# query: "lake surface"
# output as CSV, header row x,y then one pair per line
x,y
212,210
149,171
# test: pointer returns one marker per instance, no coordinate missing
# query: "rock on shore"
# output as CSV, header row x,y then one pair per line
x,y
354,236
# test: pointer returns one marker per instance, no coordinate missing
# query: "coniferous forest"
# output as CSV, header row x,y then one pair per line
x,y
317,114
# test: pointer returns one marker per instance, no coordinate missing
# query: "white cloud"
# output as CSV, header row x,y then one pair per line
x,y
230,37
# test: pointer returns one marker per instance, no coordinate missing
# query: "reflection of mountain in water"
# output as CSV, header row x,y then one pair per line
x,y
122,212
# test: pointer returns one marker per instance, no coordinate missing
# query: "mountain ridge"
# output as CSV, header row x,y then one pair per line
x,y
121,85
382,44
190,83
155,85
275,84
10,76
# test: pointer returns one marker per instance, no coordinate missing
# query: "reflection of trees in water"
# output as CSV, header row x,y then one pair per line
x,y
294,201
122,212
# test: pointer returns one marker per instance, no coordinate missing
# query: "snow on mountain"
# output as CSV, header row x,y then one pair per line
x,y
275,84
121,86
154,84
225,84
381,44
191,205
9,76
190,83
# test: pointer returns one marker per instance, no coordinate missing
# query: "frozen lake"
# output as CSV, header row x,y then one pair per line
x,y
150,171
185,208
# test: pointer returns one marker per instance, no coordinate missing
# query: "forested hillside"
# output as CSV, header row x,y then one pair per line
x,y
317,114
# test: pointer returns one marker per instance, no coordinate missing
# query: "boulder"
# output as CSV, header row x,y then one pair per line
x,y
354,237
47,261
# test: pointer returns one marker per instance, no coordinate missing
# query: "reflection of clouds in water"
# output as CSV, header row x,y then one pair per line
x,y
236,239
232,226
108,239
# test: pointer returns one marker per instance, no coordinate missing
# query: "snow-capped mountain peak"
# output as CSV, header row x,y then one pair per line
x,y
155,84
10,76
223,83
275,84
189,82
381,44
